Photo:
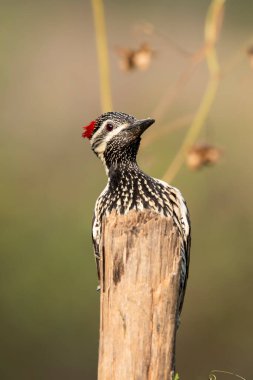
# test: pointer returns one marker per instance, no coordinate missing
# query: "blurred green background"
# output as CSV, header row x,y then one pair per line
x,y
50,180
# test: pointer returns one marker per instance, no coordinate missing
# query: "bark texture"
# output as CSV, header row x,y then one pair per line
x,y
140,270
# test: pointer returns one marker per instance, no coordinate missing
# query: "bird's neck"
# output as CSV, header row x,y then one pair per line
x,y
122,161
123,168
121,171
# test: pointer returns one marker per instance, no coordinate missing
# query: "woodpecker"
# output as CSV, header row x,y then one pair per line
x,y
115,138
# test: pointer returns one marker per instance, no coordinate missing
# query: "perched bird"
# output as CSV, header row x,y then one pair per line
x,y
115,138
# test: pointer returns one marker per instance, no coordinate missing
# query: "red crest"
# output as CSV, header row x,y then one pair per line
x,y
88,130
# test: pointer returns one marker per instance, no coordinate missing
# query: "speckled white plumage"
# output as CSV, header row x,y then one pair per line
x,y
129,188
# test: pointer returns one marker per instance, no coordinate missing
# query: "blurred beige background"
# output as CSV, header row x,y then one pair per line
x,y
50,181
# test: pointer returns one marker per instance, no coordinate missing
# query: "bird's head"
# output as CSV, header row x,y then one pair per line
x,y
115,137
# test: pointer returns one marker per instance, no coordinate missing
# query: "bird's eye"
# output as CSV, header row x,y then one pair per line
x,y
109,127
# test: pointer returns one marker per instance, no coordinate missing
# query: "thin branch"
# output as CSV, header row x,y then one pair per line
x,y
237,58
212,25
149,29
175,90
102,51
166,129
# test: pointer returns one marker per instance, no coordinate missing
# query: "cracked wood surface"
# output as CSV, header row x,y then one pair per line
x,y
140,270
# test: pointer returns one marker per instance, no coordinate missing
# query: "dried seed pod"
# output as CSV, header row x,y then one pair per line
x,y
130,59
250,55
202,155
142,57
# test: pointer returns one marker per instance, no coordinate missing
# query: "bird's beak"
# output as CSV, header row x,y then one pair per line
x,y
140,126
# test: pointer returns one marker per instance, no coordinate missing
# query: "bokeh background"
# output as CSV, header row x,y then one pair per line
x,y
50,180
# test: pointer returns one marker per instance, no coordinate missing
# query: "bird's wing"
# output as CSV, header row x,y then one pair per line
x,y
95,241
97,227
181,217
185,230
186,247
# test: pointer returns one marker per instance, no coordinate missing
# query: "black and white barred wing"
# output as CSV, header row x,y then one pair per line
x,y
182,218
180,215
96,233
100,208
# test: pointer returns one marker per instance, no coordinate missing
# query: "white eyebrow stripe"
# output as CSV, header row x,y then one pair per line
x,y
114,132
111,134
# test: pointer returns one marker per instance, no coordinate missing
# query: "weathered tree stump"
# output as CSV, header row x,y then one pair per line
x,y
140,270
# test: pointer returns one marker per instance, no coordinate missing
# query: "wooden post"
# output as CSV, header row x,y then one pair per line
x,y
140,270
